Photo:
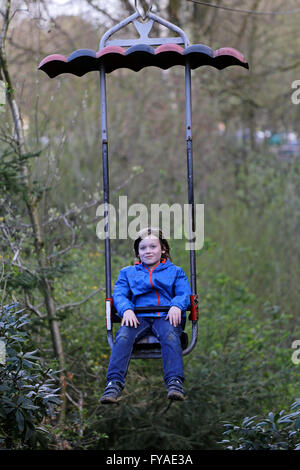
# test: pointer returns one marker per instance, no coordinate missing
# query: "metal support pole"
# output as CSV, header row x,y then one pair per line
x,y
189,149
105,170
105,178
189,152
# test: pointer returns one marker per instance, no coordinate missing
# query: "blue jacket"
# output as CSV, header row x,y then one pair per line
x,y
138,286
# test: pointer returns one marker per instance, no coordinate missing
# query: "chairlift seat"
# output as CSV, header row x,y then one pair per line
x,y
150,342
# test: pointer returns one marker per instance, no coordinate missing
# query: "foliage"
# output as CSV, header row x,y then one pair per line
x,y
11,169
28,393
280,431
240,363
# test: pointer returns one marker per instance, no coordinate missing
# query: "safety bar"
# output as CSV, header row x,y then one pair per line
x,y
153,308
193,308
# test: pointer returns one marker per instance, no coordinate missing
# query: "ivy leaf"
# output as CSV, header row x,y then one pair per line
x,y
20,420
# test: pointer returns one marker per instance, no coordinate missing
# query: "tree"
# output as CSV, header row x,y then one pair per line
x,y
26,237
31,198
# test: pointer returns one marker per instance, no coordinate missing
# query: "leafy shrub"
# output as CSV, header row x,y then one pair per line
x,y
240,365
27,389
280,431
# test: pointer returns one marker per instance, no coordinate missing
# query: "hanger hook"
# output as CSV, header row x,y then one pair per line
x,y
144,16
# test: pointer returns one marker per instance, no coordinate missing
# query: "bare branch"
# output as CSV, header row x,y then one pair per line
x,y
14,249
32,307
72,244
128,6
76,304
4,288
72,401
87,205
103,12
4,26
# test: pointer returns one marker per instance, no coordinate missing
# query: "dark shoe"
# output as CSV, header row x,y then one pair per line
x,y
112,393
175,390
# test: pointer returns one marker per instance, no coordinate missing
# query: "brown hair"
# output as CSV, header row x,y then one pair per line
x,y
157,233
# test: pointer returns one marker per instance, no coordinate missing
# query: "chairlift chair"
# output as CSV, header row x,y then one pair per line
x,y
136,54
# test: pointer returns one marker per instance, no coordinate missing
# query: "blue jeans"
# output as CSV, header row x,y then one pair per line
x,y
171,351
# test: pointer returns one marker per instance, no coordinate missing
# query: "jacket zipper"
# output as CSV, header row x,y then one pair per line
x,y
151,283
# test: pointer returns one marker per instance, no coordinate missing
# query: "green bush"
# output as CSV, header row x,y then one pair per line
x,y
240,365
280,431
27,390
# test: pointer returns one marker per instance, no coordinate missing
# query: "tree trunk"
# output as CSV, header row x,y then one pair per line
x,y
173,11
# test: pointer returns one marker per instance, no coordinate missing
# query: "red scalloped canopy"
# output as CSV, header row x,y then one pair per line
x,y
139,56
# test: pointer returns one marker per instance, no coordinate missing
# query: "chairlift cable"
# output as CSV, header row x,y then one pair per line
x,y
249,12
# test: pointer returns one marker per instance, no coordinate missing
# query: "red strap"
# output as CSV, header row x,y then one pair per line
x,y
194,308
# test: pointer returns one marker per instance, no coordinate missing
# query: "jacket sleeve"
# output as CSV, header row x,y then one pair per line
x,y
182,291
122,294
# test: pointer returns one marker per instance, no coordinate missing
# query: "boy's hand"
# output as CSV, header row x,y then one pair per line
x,y
130,319
174,316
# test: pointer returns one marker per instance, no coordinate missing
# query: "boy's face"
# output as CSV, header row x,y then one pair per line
x,y
150,250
